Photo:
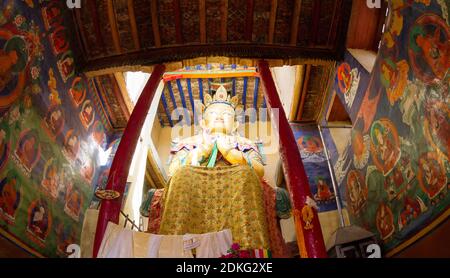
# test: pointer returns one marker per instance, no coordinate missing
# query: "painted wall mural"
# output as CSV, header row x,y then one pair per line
x,y
51,136
394,174
315,163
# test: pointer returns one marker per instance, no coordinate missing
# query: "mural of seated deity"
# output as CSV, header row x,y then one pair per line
x,y
71,145
356,192
78,91
324,193
413,208
385,221
64,237
87,169
50,178
39,221
13,61
432,175
385,146
311,148
87,114
28,150
436,125
54,121
10,197
429,48
74,202
98,133
4,145
65,181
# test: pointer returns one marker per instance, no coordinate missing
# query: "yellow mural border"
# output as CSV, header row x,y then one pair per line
x,y
420,234
20,244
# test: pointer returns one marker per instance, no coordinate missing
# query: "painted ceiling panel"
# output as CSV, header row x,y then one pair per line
x,y
143,32
283,21
248,90
190,21
122,33
142,11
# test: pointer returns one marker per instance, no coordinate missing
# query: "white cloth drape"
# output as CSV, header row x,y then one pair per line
x,y
119,242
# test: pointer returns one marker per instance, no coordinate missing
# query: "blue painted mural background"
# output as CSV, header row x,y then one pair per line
x,y
53,144
393,175
315,163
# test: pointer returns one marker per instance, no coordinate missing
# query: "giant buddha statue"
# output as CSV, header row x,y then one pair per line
x,y
219,142
216,183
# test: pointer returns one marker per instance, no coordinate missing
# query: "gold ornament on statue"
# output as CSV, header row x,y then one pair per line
x,y
104,194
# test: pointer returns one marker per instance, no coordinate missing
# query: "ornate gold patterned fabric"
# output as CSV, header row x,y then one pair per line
x,y
201,200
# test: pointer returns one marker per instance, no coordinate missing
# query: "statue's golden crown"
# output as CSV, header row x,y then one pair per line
x,y
221,93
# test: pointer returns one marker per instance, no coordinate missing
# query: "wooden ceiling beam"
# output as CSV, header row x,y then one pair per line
x,y
134,31
202,20
301,107
315,23
223,20
120,79
100,90
242,50
272,20
295,21
177,20
334,23
113,25
155,23
81,32
98,32
119,96
249,20
299,77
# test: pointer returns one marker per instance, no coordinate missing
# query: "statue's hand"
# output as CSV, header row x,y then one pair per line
x,y
207,143
226,144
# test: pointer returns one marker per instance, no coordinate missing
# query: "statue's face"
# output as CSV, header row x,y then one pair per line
x,y
220,118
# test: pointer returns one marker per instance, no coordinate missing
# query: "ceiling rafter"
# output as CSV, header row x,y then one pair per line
x,y
223,20
295,22
236,21
272,20
315,22
202,21
301,107
98,33
134,31
155,24
81,34
177,20
249,20
113,25
119,96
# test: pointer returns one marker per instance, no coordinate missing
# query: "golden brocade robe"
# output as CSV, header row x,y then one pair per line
x,y
202,200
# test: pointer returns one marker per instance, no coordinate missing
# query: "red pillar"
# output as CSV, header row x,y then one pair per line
x,y
309,233
110,209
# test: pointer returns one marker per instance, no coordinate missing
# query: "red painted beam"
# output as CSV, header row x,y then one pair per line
x,y
110,209
309,233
